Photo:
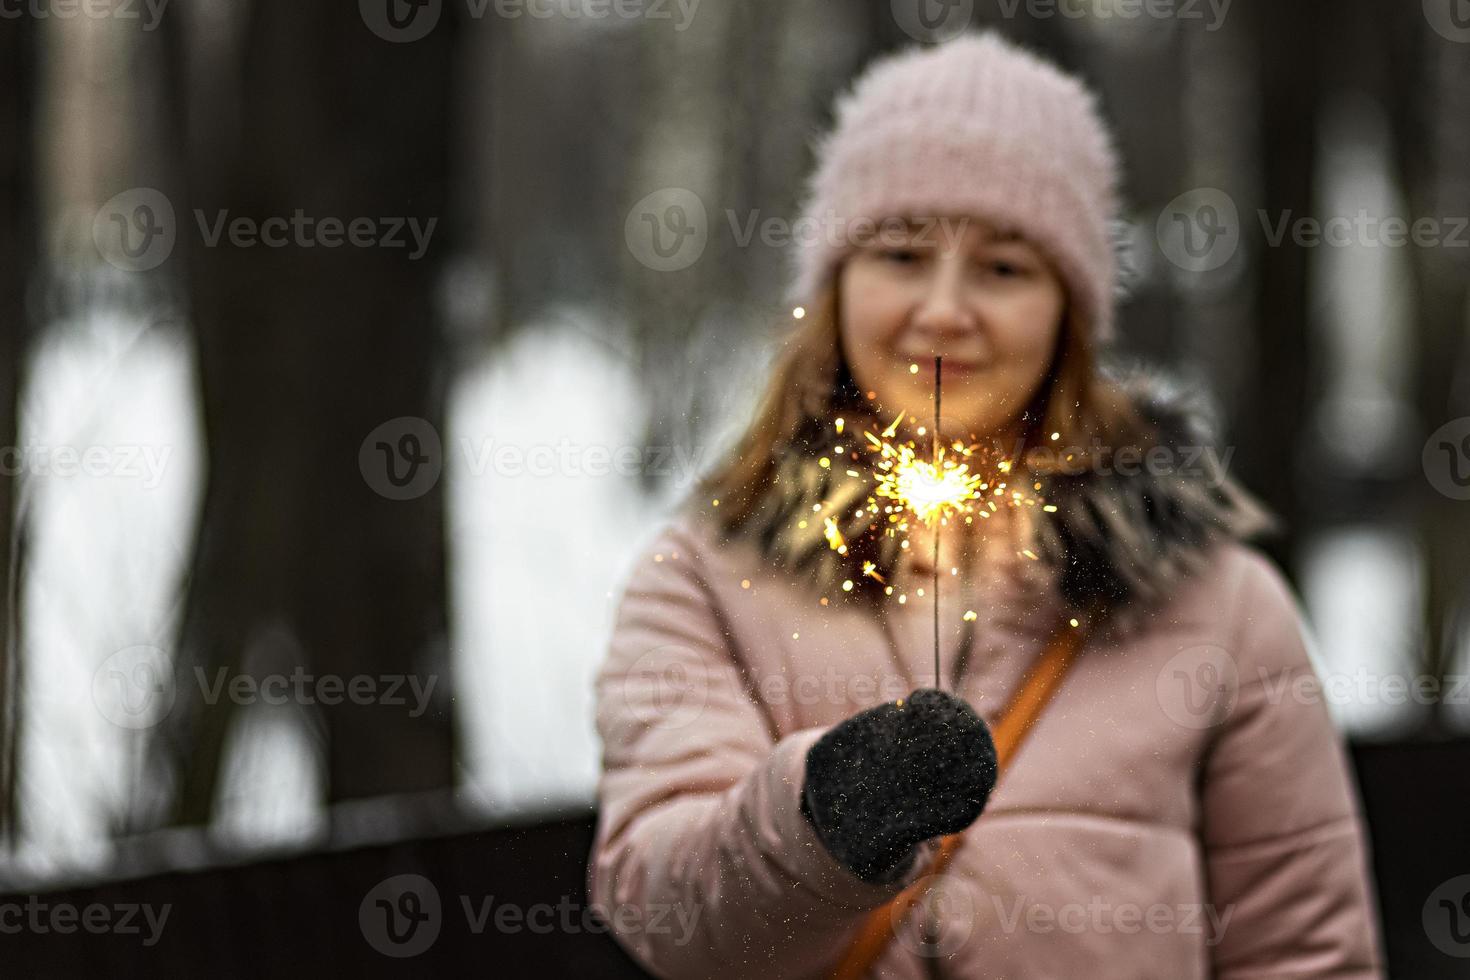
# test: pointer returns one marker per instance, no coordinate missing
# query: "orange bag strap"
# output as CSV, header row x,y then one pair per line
x,y
1025,706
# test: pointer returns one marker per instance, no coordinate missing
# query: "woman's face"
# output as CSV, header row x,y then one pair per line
x,y
987,302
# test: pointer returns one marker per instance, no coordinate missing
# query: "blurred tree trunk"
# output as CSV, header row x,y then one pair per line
x,y
682,102
17,261
1426,85
1274,417
303,351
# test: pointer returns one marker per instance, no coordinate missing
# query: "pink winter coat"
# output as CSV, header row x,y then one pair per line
x,y
1145,829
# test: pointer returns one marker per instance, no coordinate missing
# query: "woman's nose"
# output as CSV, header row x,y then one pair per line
x,y
943,309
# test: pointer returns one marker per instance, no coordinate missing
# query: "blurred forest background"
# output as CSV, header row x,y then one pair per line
x,y
237,400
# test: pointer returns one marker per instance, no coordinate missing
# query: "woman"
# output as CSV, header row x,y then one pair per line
x,y
779,755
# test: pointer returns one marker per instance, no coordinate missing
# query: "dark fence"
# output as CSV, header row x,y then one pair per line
x,y
352,912
345,913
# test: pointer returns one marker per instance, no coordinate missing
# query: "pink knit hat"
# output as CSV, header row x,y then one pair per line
x,y
972,127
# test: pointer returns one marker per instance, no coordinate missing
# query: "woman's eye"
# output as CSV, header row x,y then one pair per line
x,y
901,256
1003,268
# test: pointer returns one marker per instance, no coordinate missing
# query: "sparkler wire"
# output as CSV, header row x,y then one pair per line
x,y
937,684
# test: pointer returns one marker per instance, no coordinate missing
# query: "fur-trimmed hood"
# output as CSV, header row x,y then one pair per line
x,y
1121,533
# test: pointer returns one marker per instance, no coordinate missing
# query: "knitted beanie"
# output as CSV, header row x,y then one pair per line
x,y
972,127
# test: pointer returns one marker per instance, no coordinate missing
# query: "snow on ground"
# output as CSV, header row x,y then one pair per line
x,y
542,455
110,531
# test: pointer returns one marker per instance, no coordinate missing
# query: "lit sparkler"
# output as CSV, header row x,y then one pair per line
x,y
932,489
955,480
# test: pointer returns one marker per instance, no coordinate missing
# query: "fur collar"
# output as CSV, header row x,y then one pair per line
x,y
1127,537
1121,536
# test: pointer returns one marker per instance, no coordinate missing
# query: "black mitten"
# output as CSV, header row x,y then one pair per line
x,y
890,777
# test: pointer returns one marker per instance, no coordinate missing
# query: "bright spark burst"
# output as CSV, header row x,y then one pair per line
x,y
931,489
910,483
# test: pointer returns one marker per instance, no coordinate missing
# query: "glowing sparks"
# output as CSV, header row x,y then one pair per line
x,y
834,536
911,485
932,490
911,479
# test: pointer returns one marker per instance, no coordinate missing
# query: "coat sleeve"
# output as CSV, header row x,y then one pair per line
x,y
699,827
1286,856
